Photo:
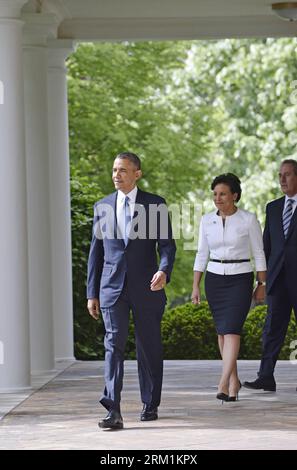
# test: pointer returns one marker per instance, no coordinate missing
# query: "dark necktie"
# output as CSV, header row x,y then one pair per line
x,y
287,216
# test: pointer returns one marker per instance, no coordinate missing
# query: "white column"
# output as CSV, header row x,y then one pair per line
x,y
38,194
14,309
60,199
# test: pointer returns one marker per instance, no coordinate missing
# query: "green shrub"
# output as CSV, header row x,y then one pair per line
x,y
88,334
189,333
251,342
251,339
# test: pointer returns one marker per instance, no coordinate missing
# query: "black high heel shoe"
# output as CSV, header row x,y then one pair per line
x,y
232,398
223,397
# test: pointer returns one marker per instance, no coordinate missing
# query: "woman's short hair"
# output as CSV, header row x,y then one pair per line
x,y
230,180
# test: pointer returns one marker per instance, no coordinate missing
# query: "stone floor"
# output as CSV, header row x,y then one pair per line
x,y
63,414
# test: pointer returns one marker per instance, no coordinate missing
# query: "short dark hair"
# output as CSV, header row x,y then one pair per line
x,y
230,180
290,161
132,157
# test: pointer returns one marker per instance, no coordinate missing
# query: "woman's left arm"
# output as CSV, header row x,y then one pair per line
x,y
259,293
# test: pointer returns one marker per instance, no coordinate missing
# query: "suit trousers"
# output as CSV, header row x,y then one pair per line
x,y
147,323
281,301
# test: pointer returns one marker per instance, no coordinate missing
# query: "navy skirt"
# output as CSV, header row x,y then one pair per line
x,y
229,298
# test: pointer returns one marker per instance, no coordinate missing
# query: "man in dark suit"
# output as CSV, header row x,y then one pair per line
x,y
280,245
124,273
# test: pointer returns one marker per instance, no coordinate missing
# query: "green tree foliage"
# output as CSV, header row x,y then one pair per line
x,y
248,88
127,96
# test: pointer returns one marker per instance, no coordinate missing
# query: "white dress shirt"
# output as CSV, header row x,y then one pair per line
x,y
121,208
240,238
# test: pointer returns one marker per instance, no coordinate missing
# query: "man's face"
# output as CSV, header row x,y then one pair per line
x,y
288,179
125,174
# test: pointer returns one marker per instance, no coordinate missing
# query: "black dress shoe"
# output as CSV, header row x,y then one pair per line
x,y
113,420
149,413
268,385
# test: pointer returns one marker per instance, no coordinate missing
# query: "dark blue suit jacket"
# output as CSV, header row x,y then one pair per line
x,y
110,261
280,251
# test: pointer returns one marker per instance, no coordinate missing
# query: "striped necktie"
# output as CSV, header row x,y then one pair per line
x,y
287,216
127,220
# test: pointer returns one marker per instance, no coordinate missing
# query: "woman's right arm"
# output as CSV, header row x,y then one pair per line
x,y
196,289
200,263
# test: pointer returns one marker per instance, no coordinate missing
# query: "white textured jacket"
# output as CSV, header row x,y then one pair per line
x,y
240,238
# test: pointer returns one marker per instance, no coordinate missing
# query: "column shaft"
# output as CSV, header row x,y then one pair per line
x,y
14,310
39,223
60,203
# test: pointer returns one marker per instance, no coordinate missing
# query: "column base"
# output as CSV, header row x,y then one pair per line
x,y
65,359
16,390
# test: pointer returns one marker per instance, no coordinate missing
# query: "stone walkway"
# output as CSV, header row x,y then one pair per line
x,y
63,414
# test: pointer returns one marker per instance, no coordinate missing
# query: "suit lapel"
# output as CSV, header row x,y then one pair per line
x,y
279,215
140,198
113,203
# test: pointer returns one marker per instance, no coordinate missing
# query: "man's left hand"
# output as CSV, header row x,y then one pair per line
x,y
158,281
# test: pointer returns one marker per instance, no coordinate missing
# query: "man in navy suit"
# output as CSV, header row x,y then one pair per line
x,y
124,274
280,245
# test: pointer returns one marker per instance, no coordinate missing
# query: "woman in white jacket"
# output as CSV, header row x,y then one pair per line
x,y
228,238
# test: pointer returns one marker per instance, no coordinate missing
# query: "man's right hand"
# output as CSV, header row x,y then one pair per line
x,y
93,308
